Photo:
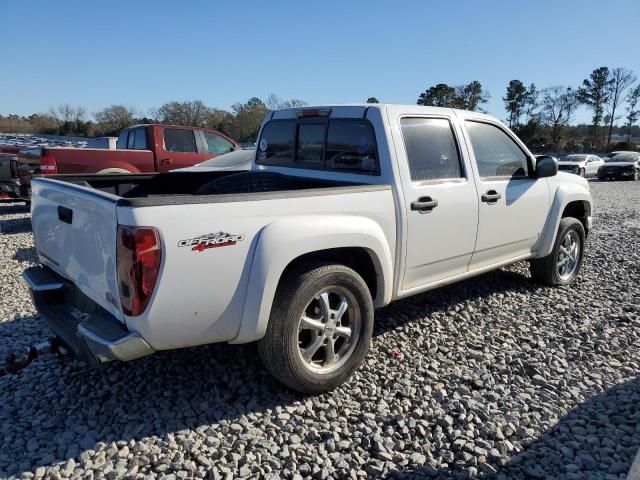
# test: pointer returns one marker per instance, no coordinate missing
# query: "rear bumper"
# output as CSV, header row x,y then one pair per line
x,y
92,334
618,174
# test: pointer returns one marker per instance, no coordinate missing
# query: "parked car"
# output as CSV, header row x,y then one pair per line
x,y
346,209
621,166
141,148
583,165
236,161
617,152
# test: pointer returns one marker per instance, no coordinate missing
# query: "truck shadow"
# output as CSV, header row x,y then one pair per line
x,y
26,254
13,208
604,426
57,409
16,225
514,279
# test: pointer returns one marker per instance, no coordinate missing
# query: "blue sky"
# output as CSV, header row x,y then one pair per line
x,y
144,53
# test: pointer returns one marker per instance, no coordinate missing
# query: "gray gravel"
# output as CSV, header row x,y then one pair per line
x,y
493,377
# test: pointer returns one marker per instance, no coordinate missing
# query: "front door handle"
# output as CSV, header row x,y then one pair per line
x,y
424,204
491,197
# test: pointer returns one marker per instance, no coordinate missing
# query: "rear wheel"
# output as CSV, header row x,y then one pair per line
x,y
319,329
636,175
562,265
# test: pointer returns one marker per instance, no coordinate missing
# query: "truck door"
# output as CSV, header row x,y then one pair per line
x,y
513,203
179,148
440,198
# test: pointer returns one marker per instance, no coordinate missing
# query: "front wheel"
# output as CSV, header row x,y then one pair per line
x,y
319,329
583,173
562,265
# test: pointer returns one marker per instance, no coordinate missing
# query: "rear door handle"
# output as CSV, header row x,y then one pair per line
x,y
165,161
424,204
491,197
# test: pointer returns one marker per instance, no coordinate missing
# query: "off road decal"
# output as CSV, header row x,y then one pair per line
x,y
211,240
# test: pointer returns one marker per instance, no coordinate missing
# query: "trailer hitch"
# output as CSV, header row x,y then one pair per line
x,y
16,361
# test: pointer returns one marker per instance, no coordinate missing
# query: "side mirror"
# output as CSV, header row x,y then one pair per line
x,y
546,167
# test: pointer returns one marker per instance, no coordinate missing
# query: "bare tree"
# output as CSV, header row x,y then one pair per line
x,y
193,113
66,113
621,79
114,118
273,102
558,106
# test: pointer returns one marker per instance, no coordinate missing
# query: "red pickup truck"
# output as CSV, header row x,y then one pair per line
x,y
141,148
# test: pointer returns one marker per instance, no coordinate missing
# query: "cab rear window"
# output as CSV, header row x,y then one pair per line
x,y
335,144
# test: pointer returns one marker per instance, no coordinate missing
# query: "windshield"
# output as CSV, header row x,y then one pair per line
x,y
624,157
574,158
229,159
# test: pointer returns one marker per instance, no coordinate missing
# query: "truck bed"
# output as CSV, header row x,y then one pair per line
x,y
187,187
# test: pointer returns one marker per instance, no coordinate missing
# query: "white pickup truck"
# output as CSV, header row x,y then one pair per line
x,y
345,209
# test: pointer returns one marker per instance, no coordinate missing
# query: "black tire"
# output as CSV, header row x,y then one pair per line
x,y
545,270
279,349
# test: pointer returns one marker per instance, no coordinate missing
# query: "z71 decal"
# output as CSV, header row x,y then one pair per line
x,y
211,240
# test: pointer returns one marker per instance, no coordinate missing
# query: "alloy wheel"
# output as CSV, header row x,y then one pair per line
x,y
328,330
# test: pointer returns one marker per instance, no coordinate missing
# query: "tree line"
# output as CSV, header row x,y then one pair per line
x,y
542,118
241,123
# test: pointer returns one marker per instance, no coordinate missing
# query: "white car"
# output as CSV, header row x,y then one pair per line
x,y
237,161
581,164
346,209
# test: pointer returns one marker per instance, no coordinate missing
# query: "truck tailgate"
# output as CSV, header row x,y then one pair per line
x,y
75,231
8,167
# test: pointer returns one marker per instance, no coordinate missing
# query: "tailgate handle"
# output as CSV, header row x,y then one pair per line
x,y
65,214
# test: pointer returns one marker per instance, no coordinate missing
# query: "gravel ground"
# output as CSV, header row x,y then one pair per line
x,y
493,377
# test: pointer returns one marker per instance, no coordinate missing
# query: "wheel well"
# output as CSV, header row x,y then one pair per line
x,y
356,258
107,171
580,210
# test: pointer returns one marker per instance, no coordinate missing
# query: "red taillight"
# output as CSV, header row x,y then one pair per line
x,y
139,255
48,165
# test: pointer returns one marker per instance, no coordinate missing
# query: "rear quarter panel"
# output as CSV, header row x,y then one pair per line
x,y
200,294
95,160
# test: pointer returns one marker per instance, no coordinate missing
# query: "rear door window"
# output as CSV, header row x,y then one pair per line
x,y
338,144
179,140
431,148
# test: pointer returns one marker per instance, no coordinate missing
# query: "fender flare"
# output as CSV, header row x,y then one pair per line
x,y
565,194
285,240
